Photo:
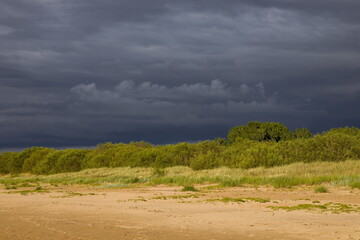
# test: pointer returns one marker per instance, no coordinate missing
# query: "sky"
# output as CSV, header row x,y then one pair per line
x,y
79,73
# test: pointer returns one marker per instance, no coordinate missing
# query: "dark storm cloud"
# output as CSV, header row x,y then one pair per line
x,y
82,72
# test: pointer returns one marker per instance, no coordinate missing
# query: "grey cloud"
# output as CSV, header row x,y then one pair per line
x,y
128,91
296,62
185,105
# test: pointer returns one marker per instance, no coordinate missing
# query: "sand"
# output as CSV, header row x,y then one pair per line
x,y
151,213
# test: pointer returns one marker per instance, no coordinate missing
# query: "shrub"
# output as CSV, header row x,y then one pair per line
x,y
334,146
163,159
257,131
181,153
126,154
303,133
158,172
261,154
256,144
70,160
101,156
321,189
39,154
6,160
48,164
205,161
16,165
189,188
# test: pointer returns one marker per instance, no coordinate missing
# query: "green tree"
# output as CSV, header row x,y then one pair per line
x,y
303,133
39,154
6,159
48,164
258,131
70,160
16,165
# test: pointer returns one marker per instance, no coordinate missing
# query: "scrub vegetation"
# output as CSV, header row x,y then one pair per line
x,y
345,173
239,200
321,189
258,154
328,207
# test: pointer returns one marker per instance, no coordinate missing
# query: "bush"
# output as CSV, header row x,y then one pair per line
x,y
262,154
205,161
37,155
125,154
257,131
180,153
158,172
335,146
6,160
49,163
303,133
70,160
101,156
254,145
189,188
16,165
321,189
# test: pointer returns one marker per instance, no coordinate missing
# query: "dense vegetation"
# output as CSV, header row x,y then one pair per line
x,y
256,144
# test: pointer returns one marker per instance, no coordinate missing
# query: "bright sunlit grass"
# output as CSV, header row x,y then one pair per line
x,y
336,173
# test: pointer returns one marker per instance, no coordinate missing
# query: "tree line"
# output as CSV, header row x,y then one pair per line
x,y
256,144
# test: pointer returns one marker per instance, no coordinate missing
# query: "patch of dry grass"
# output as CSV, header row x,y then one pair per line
x,y
345,173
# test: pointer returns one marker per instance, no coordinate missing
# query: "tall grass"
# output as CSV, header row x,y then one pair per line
x,y
345,173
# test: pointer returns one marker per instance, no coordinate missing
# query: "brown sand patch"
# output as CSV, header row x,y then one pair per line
x,y
161,213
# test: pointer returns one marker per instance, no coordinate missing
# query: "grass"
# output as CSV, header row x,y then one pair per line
x,y
117,185
26,185
239,200
9,186
328,207
345,173
178,197
305,206
73,194
26,192
137,200
189,188
354,184
259,200
227,200
321,189
158,172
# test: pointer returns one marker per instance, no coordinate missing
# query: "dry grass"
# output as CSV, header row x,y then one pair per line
x,y
336,173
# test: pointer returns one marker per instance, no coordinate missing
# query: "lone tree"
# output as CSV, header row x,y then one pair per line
x,y
258,131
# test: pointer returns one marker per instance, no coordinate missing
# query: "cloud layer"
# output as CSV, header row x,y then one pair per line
x,y
81,72
147,92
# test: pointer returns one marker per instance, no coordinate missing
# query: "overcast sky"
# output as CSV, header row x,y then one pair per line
x,y
77,73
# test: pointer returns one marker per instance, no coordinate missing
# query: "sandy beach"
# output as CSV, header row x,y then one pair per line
x,y
169,213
